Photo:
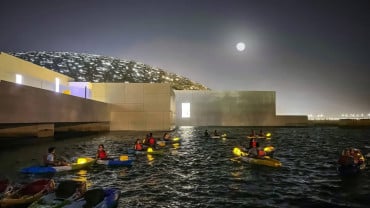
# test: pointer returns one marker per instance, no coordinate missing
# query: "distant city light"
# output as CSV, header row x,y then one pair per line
x,y
322,116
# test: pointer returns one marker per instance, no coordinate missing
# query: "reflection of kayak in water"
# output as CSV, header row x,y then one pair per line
x,y
351,162
265,160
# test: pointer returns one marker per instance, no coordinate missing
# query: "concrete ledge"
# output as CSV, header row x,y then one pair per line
x,y
82,127
25,130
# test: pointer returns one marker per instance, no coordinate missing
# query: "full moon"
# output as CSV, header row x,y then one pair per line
x,y
240,46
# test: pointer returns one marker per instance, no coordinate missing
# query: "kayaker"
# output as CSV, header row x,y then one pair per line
x,y
146,140
256,151
101,154
206,134
50,158
252,143
261,133
151,140
166,137
215,133
138,146
253,134
253,152
260,152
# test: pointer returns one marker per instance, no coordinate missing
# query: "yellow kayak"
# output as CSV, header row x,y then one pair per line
x,y
266,160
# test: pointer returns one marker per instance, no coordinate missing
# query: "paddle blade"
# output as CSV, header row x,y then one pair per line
x,y
81,160
269,149
123,157
238,152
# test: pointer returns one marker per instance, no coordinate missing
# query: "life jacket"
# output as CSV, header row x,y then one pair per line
x,y
138,147
102,154
252,143
151,141
261,153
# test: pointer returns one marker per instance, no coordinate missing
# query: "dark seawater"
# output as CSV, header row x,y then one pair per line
x,y
204,173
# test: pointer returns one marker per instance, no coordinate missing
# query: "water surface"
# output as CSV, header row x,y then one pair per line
x,y
204,173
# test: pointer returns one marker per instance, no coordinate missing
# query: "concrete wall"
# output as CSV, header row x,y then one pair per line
x,y
24,104
137,106
354,123
32,74
292,120
228,108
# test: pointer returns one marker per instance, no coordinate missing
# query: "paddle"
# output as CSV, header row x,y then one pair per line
x,y
269,149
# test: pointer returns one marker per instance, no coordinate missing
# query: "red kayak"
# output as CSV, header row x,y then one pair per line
x,y
28,193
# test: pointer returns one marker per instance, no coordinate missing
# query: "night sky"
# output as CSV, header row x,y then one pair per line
x,y
314,54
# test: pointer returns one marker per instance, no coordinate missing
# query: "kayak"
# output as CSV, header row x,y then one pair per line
x,y
257,137
136,152
28,193
4,187
265,160
150,151
97,198
349,170
66,191
81,163
115,162
163,143
217,136
260,136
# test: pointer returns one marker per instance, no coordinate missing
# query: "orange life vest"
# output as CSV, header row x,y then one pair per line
x,y
102,154
252,143
261,153
138,147
151,141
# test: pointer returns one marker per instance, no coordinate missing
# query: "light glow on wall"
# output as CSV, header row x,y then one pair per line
x,y
57,82
18,79
185,110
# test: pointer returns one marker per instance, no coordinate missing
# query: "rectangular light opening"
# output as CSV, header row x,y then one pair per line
x,y
18,79
57,82
185,110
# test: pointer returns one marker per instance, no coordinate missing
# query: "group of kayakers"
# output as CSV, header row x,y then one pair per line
x,y
150,141
351,156
215,133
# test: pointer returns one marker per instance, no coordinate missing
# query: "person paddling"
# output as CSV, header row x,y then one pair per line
x,y
101,154
138,146
50,158
152,141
